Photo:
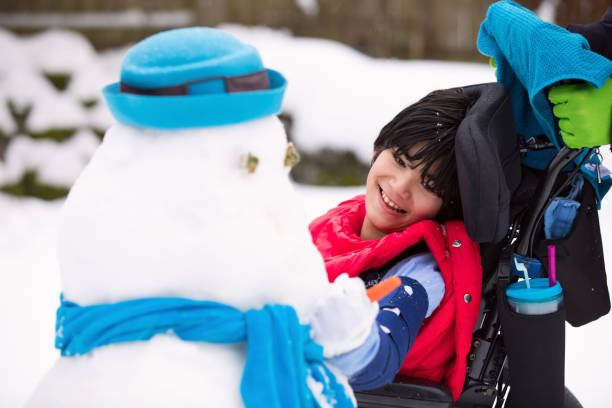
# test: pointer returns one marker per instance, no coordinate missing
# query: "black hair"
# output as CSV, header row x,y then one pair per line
x,y
427,128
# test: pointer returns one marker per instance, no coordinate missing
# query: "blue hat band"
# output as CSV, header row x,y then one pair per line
x,y
255,81
196,110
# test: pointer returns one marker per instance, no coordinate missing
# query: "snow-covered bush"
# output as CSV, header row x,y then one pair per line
x,y
51,120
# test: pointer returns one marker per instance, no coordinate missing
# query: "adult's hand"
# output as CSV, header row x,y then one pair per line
x,y
584,113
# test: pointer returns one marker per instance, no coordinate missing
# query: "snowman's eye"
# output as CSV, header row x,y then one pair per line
x,y
292,157
250,163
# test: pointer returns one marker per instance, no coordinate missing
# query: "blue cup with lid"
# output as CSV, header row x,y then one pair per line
x,y
538,299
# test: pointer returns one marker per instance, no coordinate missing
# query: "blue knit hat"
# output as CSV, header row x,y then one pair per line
x,y
193,77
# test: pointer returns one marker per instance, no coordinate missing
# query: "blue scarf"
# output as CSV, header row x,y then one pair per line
x,y
532,55
280,353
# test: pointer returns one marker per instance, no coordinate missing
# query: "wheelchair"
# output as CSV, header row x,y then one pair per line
x,y
503,204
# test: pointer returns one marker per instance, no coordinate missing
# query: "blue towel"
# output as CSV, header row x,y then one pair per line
x,y
531,56
280,353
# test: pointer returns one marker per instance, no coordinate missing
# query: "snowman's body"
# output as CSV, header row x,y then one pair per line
x,y
178,214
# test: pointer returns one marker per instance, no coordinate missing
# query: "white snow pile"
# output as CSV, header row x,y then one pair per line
x,y
60,51
201,197
26,87
44,114
30,288
23,86
56,164
14,57
180,214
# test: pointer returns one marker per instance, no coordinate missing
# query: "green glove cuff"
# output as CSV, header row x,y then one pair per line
x,y
604,114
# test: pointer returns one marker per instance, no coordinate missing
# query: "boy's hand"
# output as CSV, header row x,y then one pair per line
x,y
342,320
584,113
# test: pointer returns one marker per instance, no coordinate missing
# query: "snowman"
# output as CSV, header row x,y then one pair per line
x,y
188,274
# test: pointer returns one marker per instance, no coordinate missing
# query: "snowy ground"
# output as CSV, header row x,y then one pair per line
x,y
31,287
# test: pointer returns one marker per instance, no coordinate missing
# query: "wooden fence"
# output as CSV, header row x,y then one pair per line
x,y
431,29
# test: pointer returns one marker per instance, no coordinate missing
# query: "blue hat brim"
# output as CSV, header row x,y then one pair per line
x,y
192,111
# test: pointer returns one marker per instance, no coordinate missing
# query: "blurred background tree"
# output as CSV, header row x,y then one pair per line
x,y
423,29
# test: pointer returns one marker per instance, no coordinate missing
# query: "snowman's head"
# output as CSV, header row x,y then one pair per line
x,y
202,212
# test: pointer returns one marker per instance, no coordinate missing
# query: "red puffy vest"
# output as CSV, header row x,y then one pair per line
x,y
443,343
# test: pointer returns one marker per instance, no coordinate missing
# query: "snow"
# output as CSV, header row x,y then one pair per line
x,y
53,111
308,7
161,372
547,10
341,98
56,52
187,182
56,164
338,98
59,51
86,84
99,117
25,87
177,214
13,56
30,288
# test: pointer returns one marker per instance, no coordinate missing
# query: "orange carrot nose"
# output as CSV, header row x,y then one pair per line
x,y
382,289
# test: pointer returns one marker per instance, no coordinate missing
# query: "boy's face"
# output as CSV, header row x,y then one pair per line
x,y
395,197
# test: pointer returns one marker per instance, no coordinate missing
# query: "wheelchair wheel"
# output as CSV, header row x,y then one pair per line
x,y
570,400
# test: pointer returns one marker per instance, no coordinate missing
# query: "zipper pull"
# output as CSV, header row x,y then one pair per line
x,y
597,169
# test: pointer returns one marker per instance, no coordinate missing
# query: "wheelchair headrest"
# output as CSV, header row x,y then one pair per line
x,y
488,162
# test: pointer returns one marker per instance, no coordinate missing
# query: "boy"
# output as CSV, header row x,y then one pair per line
x,y
395,230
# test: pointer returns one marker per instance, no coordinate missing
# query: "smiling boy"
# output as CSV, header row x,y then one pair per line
x,y
396,197
407,225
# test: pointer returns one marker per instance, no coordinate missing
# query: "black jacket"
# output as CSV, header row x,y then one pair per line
x,y
598,34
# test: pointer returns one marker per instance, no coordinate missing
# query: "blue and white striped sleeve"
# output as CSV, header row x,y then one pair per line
x,y
424,269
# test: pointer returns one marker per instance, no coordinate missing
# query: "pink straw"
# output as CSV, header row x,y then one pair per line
x,y
552,266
